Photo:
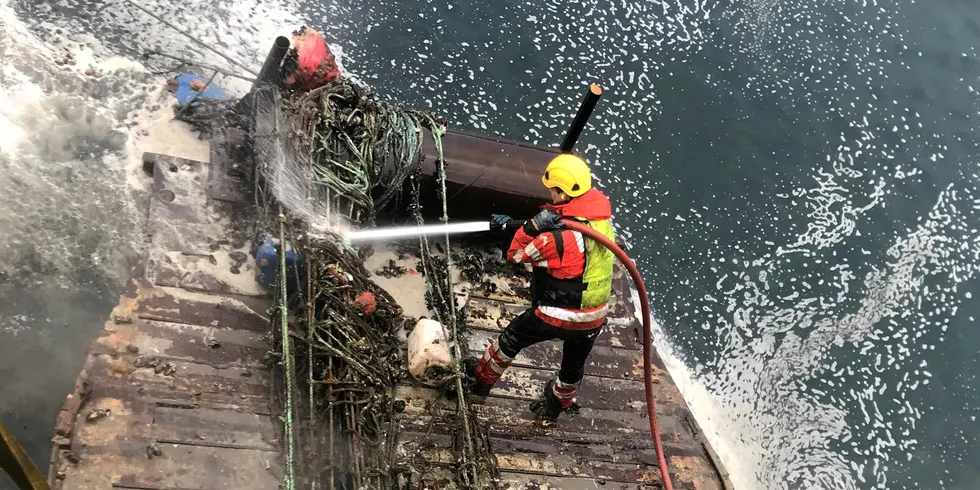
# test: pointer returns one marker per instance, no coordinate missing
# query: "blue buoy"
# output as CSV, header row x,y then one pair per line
x,y
185,94
267,265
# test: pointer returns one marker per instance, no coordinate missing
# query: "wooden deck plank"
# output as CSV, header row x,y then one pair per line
x,y
512,419
436,450
217,427
200,378
155,423
215,346
440,477
531,436
526,383
164,395
181,466
178,305
521,481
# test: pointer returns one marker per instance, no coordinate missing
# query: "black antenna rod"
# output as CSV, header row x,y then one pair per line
x,y
584,112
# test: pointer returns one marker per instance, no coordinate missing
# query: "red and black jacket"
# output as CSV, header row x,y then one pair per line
x,y
559,257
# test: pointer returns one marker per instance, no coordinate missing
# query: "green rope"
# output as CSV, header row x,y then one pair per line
x,y
358,152
466,463
360,148
309,361
437,133
287,357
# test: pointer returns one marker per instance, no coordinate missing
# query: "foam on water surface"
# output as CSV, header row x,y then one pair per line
x,y
808,297
63,149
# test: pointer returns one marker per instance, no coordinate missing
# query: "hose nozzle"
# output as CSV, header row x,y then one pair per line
x,y
510,226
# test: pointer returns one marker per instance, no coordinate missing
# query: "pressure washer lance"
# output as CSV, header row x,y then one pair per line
x,y
380,234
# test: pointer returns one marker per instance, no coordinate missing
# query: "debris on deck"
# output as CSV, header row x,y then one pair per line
x,y
191,386
174,393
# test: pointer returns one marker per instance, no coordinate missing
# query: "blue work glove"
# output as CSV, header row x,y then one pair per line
x,y
500,220
546,220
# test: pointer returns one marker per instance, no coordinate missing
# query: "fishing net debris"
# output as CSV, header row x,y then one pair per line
x,y
327,158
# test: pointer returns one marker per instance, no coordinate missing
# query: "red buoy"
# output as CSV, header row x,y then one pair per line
x,y
367,303
315,63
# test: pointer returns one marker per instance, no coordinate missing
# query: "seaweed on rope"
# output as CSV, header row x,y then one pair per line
x,y
337,367
361,150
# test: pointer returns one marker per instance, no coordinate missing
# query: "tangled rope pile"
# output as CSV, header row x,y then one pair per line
x,y
336,151
361,150
342,368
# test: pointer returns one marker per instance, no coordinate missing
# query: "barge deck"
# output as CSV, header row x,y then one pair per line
x,y
176,393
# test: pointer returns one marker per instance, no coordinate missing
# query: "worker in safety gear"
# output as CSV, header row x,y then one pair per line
x,y
570,287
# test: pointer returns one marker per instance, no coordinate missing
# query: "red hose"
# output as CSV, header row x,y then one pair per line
x,y
647,339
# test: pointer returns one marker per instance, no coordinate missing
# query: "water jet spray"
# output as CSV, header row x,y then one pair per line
x,y
416,231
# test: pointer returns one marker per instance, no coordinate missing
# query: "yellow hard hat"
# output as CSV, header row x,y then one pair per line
x,y
569,173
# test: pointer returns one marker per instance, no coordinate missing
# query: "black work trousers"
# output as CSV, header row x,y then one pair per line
x,y
527,329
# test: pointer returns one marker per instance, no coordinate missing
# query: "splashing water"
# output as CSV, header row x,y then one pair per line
x,y
295,191
78,107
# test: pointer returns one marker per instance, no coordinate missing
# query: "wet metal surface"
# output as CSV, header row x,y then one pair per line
x,y
606,444
174,394
485,175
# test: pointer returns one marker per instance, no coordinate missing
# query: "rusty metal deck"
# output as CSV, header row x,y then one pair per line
x,y
174,394
606,445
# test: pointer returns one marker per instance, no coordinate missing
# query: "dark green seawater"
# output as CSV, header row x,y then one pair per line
x,y
798,181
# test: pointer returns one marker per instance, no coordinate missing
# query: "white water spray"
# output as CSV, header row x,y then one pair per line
x,y
414,231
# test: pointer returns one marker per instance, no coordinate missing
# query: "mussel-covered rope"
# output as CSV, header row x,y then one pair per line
x,y
437,134
309,362
352,155
439,285
287,359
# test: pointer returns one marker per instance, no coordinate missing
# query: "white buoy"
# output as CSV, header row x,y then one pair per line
x,y
429,360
